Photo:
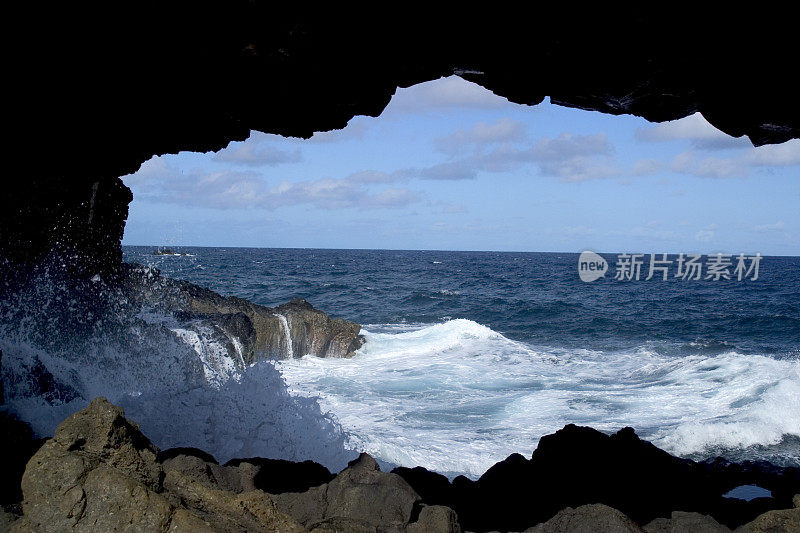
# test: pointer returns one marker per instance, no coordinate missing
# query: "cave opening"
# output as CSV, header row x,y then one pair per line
x,y
433,355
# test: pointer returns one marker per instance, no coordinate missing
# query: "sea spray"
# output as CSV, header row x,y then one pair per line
x,y
184,382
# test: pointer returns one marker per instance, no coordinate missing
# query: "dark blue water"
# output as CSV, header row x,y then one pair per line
x,y
471,356
531,297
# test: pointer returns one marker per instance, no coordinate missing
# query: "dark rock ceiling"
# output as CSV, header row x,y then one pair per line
x,y
97,91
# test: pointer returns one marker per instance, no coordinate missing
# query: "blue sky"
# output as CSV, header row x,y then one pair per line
x,y
450,166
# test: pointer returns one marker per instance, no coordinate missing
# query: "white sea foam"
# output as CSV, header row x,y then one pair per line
x,y
457,396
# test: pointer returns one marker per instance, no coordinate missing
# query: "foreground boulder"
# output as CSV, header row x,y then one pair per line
x,y
99,473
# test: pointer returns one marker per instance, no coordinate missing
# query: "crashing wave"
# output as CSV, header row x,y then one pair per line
x,y
415,393
184,380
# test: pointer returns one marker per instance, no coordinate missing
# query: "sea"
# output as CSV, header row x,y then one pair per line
x,y
472,356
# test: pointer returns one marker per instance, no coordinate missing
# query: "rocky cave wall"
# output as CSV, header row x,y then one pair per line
x,y
96,93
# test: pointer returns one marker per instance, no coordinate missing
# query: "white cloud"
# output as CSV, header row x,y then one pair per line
x,y
570,158
708,167
157,181
694,128
704,235
482,134
567,146
778,155
647,167
256,151
777,226
354,131
330,193
451,92
785,154
155,168
573,158
456,170
707,233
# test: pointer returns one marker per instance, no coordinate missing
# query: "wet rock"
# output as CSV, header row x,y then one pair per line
x,y
597,518
261,331
315,332
100,433
184,521
111,501
198,469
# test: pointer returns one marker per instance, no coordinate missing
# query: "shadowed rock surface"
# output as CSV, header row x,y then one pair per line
x,y
578,465
17,446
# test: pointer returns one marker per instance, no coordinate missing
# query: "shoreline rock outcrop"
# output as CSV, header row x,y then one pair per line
x,y
293,329
99,472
